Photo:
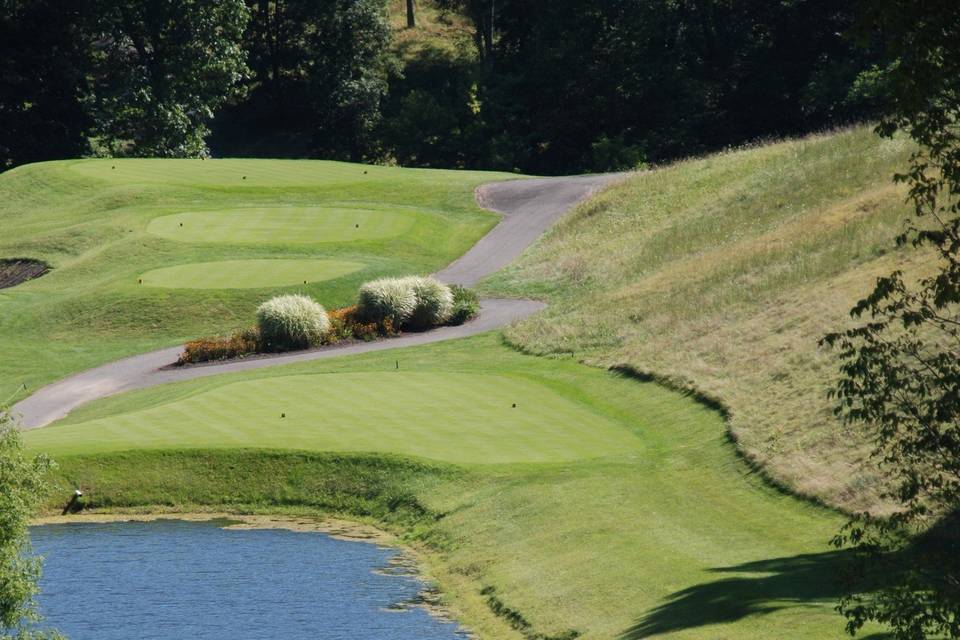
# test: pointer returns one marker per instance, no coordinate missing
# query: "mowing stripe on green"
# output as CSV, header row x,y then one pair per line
x,y
454,417
282,225
247,274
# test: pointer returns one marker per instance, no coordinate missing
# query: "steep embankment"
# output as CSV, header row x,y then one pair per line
x,y
720,275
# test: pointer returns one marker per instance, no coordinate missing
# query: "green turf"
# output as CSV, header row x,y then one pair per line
x,y
283,225
91,220
452,417
240,274
667,533
249,173
724,272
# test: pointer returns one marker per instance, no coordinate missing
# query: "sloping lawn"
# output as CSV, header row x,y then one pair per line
x,y
721,274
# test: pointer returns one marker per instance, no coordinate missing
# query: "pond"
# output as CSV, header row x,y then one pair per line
x,y
178,580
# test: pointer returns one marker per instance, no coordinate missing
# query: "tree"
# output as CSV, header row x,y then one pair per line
x,y
22,486
320,73
432,114
574,85
482,14
901,368
43,64
161,70
411,14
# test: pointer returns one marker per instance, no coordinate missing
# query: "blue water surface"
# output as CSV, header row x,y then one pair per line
x,y
178,580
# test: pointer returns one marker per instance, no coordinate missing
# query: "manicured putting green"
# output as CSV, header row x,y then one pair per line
x,y
247,274
282,225
454,417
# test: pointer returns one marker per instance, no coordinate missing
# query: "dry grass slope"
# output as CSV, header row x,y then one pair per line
x,y
720,275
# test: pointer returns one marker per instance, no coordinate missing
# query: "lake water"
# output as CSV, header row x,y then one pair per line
x,y
178,580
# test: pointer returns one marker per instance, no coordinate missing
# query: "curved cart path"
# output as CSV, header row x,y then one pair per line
x,y
529,207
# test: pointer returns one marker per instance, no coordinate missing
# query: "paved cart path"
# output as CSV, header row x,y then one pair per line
x,y
529,207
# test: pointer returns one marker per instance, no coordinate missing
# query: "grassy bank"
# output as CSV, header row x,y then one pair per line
x,y
720,274
673,536
127,277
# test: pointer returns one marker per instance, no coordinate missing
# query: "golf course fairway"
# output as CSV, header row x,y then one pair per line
x,y
248,274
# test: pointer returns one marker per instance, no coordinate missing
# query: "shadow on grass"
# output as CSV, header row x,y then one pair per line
x,y
799,581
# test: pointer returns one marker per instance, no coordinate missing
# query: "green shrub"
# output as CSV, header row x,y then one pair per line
x,y
387,298
291,322
466,305
434,303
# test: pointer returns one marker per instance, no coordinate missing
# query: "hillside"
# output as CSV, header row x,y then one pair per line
x,y
719,275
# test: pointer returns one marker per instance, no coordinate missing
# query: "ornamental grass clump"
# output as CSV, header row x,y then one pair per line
x,y
291,322
434,303
411,302
466,305
391,299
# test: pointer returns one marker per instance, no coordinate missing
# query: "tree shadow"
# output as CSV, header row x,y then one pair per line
x,y
805,580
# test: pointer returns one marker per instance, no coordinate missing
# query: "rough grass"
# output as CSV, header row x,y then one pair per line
x,y
89,220
670,537
720,274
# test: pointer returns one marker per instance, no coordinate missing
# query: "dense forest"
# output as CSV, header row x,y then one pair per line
x,y
541,87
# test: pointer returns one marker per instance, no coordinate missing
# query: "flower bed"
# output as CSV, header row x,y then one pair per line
x,y
297,322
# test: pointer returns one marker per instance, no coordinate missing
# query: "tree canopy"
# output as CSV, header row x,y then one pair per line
x,y
42,81
22,486
161,69
549,87
319,74
901,367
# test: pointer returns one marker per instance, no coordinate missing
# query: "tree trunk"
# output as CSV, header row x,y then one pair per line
x,y
411,15
488,38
